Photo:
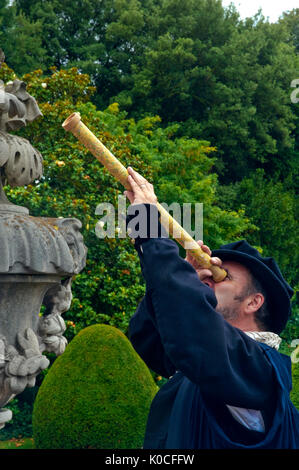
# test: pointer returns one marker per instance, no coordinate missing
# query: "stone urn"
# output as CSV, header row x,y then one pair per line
x,y
38,258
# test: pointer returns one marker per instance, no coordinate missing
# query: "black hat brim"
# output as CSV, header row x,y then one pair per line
x,y
277,296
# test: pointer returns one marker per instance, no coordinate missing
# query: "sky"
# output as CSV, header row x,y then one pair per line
x,y
271,8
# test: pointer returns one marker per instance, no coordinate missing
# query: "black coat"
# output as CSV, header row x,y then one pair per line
x,y
178,333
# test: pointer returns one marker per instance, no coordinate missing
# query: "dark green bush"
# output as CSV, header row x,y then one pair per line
x,y
96,395
21,422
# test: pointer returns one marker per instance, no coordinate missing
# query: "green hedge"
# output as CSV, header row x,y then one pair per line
x,y
96,395
295,390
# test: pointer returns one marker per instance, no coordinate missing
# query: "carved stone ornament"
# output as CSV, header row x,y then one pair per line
x,y
38,258
22,163
17,107
51,326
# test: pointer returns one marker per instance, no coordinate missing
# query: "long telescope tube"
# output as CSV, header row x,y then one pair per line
x,y
74,125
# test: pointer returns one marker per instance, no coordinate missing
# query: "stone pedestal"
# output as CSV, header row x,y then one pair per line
x,y
38,257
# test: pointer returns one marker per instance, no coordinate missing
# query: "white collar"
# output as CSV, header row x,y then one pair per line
x,y
267,337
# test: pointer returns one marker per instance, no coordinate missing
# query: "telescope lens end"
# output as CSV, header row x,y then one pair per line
x,y
71,121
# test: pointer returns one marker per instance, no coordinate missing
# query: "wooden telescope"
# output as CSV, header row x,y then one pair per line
x,y
74,125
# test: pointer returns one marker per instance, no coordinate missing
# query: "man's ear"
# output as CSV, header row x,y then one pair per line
x,y
254,302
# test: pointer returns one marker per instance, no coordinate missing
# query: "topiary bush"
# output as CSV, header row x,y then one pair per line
x,y
96,395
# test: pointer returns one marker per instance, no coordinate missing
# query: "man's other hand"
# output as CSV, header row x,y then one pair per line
x,y
203,272
142,191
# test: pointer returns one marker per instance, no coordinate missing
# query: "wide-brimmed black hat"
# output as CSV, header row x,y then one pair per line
x,y
268,274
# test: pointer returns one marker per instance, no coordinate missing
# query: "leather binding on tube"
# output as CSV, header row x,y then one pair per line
x,y
74,125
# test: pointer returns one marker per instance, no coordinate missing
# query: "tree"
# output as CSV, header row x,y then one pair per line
x,y
189,61
182,33
74,183
20,38
274,210
232,90
100,38
291,19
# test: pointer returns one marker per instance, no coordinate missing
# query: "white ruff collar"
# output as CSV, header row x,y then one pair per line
x,y
267,337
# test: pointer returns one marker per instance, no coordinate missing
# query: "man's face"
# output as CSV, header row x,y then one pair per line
x,y
229,291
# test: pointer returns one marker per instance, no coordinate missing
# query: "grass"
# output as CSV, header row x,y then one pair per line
x,y
25,443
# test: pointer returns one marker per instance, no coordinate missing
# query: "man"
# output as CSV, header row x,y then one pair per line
x,y
217,343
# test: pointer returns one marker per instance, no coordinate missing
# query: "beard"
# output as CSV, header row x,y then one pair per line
x,y
228,313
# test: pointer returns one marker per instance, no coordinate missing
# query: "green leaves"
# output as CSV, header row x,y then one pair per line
x,y
183,91
193,62
74,183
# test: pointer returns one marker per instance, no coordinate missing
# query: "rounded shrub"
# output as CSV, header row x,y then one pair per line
x,y
97,394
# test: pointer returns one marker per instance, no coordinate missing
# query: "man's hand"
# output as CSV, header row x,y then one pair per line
x,y
203,272
142,191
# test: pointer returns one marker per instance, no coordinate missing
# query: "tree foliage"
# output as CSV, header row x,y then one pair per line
x,y
191,96
189,61
275,212
102,39
208,75
74,183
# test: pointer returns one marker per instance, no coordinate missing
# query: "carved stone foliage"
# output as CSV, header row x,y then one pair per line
x,y
5,415
52,326
22,362
20,365
17,106
23,163
51,329
20,163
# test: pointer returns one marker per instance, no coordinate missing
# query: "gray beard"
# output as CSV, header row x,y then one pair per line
x,y
228,313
